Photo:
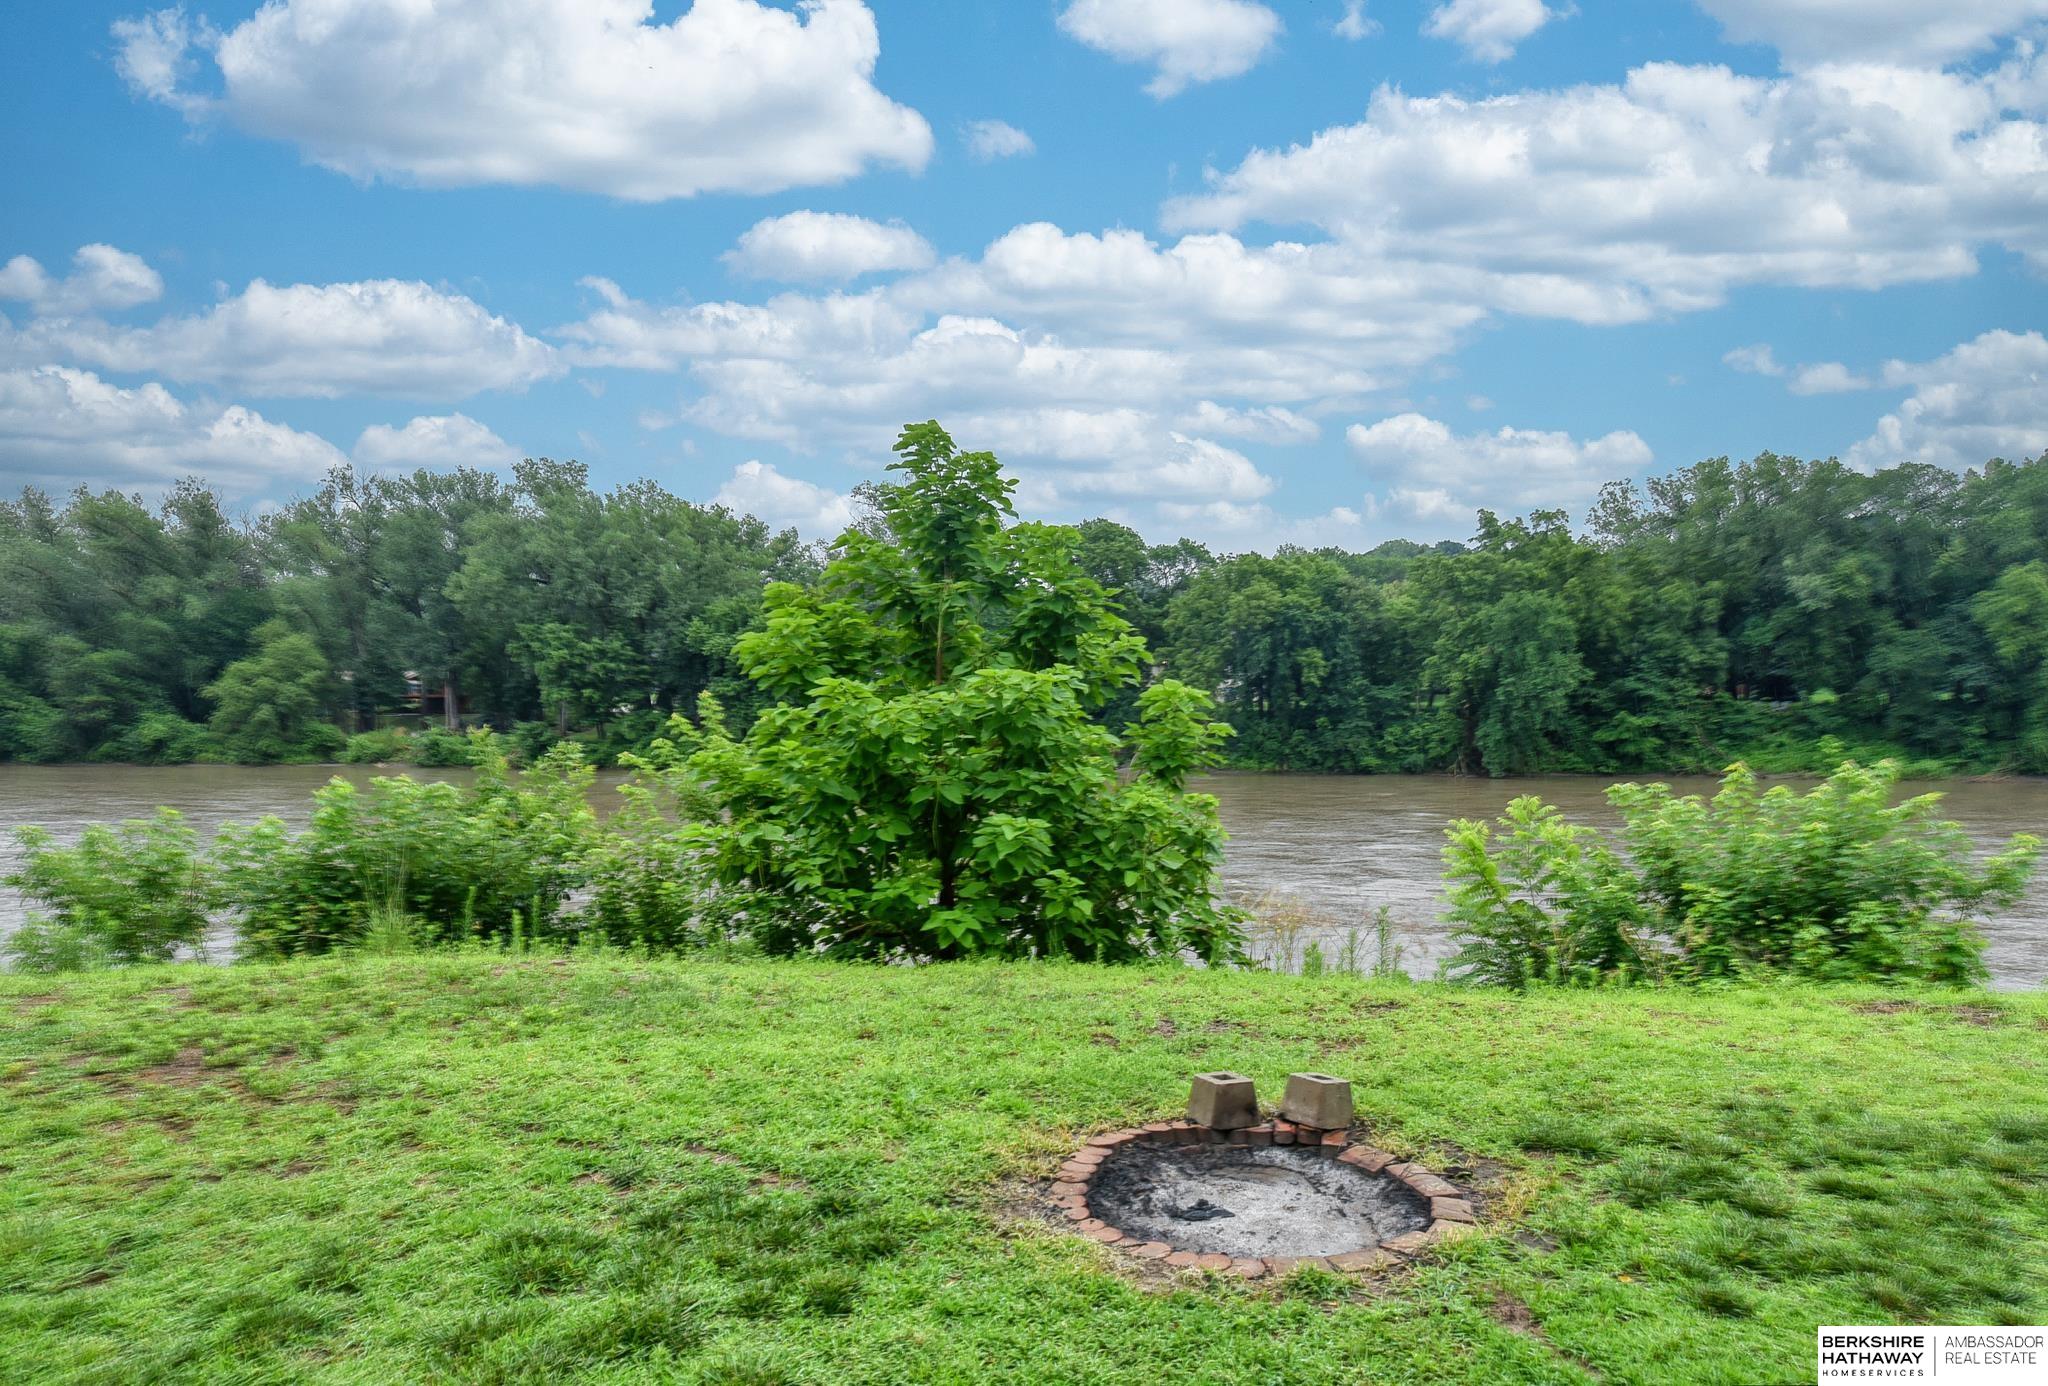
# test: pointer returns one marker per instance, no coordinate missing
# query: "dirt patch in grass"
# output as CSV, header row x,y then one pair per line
x,y
1983,1017
186,1070
1510,1313
761,1179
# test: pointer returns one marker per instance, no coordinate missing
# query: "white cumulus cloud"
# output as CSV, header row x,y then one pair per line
x,y
1754,360
826,245
1612,203
996,139
758,489
440,440
1355,23
1987,398
1488,30
101,278
730,96
1425,470
66,427
1185,41
380,336
1901,31
1826,378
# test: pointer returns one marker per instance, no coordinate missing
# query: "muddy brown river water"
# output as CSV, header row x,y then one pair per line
x,y
1334,848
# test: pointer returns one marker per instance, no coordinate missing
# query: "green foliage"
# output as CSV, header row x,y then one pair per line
x,y
386,745
1838,884
931,782
646,883
1835,885
1725,611
1544,901
268,706
160,738
436,748
494,859
132,893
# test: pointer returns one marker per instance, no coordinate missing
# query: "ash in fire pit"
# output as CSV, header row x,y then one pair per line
x,y
1238,1201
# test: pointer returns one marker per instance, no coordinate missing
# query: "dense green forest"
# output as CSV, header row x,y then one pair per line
x,y
1775,610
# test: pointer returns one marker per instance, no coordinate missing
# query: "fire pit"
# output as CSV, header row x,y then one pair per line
x,y
1258,1199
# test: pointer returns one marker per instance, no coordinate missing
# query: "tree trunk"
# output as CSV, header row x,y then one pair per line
x,y
451,704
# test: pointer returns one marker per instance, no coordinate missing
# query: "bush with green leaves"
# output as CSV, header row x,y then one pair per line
x,y
436,748
1837,884
492,859
1542,900
648,882
930,782
130,893
160,738
384,746
271,705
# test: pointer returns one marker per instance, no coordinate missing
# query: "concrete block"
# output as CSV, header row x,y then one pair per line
x,y
1223,1101
1318,1100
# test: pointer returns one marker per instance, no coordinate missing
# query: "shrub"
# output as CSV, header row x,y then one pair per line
x,y
1835,885
386,745
268,707
437,747
131,893
647,867
1543,901
160,738
491,859
532,740
932,782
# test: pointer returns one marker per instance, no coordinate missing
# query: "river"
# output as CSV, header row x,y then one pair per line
x,y
1333,848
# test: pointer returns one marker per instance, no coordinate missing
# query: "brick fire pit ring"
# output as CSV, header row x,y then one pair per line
x,y
1257,1201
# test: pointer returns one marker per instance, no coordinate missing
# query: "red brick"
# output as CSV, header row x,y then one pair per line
x,y
1282,1265
1213,1261
1078,1170
1372,1259
1240,1136
1251,1268
1399,1171
1091,1226
1151,1251
1088,1155
1451,1210
1408,1243
1181,1260
1429,1185
1283,1133
1077,1213
1106,1235
1071,1181
1259,1135
1368,1159
1334,1141
1109,1141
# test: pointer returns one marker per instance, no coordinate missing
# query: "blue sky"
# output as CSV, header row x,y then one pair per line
x,y
1259,273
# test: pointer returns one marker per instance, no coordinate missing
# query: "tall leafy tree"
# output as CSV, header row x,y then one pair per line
x,y
929,781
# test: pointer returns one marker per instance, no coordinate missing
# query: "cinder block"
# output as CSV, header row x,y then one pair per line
x,y
1223,1101
1318,1100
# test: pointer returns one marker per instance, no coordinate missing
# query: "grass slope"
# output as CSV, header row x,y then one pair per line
x,y
481,1167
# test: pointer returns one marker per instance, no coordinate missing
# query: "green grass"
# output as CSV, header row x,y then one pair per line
x,y
474,1167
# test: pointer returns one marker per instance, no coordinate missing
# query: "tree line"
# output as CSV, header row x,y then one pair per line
x,y
1777,611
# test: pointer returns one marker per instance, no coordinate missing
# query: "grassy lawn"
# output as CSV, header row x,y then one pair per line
x,y
476,1167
